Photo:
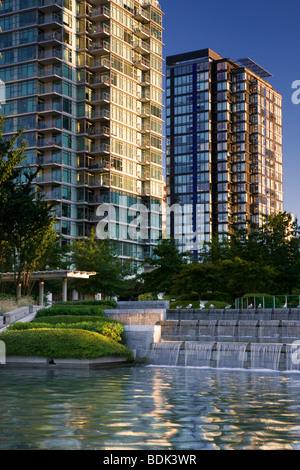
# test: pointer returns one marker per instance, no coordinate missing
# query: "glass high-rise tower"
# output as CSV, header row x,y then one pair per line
x,y
224,146
84,81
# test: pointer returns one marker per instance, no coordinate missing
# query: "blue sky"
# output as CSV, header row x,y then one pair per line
x,y
267,31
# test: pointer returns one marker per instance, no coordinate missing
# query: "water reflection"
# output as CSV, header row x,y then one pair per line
x,y
149,408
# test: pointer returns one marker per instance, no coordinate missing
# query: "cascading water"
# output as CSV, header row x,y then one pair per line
x,y
231,355
165,353
247,328
226,328
269,328
207,327
265,356
198,354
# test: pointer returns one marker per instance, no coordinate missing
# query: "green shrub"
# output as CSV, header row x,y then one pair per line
x,y
62,343
146,296
111,329
70,310
71,319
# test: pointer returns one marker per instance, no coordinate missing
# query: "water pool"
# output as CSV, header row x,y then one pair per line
x,y
149,408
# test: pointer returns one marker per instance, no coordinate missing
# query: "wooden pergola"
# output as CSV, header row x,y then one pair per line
x,y
42,276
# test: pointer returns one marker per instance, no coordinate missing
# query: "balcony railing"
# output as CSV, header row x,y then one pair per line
x,y
50,54
100,29
101,11
54,106
49,142
53,35
141,63
54,18
48,71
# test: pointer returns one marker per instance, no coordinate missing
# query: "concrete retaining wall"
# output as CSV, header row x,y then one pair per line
x,y
38,362
139,339
137,316
144,305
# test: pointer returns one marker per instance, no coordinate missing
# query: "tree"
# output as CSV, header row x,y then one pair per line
x,y
26,222
166,262
96,255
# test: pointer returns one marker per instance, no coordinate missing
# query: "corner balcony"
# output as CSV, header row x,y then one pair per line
x,y
49,142
50,21
99,131
142,15
100,30
50,5
99,166
142,47
100,64
101,115
99,47
102,97
44,126
50,38
142,63
50,56
100,13
54,107
49,73
142,31
100,81
100,149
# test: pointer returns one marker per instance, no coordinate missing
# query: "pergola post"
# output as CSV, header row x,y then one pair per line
x,y
64,289
41,293
19,290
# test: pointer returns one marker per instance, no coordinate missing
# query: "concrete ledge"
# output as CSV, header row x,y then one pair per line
x,y
139,338
137,316
35,362
144,304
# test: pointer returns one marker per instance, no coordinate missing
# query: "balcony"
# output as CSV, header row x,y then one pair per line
x,y
101,114
49,142
99,47
49,73
99,166
100,30
103,149
100,13
141,15
101,97
142,63
50,38
50,90
48,178
50,5
49,21
100,64
50,56
99,131
49,108
141,46
142,31
99,182
44,126
51,160
100,81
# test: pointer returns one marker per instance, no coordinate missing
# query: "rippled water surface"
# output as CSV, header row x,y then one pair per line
x,y
149,408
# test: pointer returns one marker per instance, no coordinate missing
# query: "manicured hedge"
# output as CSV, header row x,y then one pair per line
x,y
110,329
70,310
72,319
62,343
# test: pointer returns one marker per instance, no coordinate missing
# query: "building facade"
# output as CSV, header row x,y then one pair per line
x,y
84,81
224,146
